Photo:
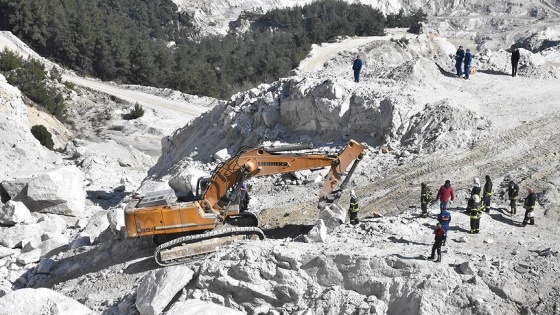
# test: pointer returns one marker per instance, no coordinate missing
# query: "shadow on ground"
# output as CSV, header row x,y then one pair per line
x,y
288,230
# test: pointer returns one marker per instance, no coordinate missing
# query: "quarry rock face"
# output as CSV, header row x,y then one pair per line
x,y
58,190
22,152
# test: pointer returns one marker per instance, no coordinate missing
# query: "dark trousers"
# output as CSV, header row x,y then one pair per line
x,y
436,247
486,202
514,68
528,220
424,207
467,71
354,218
475,224
512,205
459,66
356,75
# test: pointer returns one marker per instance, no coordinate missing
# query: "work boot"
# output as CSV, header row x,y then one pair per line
x,y
431,257
438,258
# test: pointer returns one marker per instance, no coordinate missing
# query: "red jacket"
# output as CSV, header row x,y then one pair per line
x,y
445,193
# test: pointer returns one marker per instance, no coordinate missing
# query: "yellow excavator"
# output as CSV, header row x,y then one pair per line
x,y
188,225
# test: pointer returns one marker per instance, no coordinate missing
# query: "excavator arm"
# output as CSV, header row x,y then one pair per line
x,y
267,161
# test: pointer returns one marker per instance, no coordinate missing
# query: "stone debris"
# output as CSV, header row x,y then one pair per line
x,y
14,212
41,302
159,287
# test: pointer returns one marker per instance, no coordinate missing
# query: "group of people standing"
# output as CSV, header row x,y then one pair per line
x,y
478,202
463,62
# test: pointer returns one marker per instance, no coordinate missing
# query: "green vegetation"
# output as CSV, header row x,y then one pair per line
x,y
136,112
30,77
41,133
128,40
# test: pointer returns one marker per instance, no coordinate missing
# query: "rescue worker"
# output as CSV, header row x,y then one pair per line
x,y
439,239
425,198
474,191
354,208
445,195
444,219
357,67
515,56
513,194
467,63
487,194
529,205
476,212
459,55
244,200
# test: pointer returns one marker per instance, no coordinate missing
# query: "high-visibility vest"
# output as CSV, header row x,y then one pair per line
x,y
354,205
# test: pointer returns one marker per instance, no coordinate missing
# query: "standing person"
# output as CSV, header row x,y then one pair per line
x,y
513,194
459,55
444,219
441,236
476,213
425,198
354,208
244,200
467,63
445,195
357,67
487,194
515,55
474,191
529,205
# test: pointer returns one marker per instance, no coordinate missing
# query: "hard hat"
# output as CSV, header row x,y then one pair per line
x,y
476,198
353,193
476,181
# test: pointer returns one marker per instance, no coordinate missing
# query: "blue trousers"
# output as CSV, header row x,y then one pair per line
x,y
442,206
458,67
467,71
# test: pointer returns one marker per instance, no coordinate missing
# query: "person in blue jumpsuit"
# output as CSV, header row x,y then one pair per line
x,y
467,63
357,67
459,55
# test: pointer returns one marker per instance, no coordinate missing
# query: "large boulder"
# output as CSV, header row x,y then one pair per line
x,y
14,212
14,236
198,307
41,302
59,190
159,287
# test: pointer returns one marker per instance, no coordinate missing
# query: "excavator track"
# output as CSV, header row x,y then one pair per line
x,y
194,247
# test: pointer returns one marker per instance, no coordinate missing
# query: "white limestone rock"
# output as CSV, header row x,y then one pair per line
x,y
97,224
333,216
41,301
221,155
14,212
29,257
159,287
198,307
318,233
59,190
14,236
